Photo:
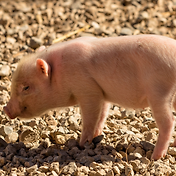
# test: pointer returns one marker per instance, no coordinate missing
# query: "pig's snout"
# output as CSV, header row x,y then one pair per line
x,y
11,112
6,110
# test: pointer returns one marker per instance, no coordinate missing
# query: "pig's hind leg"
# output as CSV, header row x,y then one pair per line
x,y
162,111
174,105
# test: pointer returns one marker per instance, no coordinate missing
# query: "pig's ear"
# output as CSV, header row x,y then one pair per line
x,y
43,67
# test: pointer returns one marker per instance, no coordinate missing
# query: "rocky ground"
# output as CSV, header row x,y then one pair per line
x,y
48,145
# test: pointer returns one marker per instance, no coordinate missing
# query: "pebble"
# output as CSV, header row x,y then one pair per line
x,y
116,170
11,40
129,170
5,130
28,136
147,145
71,168
172,151
4,70
60,139
126,31
43,169
35,42
2,160
32,168
12,137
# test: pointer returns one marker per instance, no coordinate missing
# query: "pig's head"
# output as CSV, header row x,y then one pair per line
x,y
30,84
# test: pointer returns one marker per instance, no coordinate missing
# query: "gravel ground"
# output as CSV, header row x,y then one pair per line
x,y
48,145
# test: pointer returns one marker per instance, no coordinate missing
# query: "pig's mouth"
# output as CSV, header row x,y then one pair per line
x,y
6,110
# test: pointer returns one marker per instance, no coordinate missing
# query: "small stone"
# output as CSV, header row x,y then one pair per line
x,y
95,25
144,160
13,174
10,149
84,169
33,123
50,120
4,70
147,145
116,170
73,123
49,12
139,150
54,173
97,28
131,149
3,143
121,167
110,173
135,164
2,161
144,15
172,160
126,31
43,169
39,18
129,170
76,5
86,160
71,168
55,167
61,130
172,151
5,130
28,136
32,168
60,139
12,137
28,164
24,27
149,154
35,42
11,40
98,139
107,158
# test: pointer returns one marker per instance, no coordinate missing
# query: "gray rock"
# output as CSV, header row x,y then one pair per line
x,y
12,137
71,168
35,42
4,70
32,168
11,40
5,130
2,160
126,31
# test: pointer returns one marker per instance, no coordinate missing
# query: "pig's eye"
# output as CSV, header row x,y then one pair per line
x,y
25,108
26,88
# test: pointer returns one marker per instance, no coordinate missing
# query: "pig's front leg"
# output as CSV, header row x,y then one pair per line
x,y
164,119
102,118
92,117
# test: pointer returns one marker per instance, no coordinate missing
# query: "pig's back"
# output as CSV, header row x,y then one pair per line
x,y
125,67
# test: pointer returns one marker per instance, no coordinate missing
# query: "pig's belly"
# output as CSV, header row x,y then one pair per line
x,y
126,97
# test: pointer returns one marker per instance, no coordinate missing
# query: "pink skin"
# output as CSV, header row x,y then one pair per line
x,y
132,71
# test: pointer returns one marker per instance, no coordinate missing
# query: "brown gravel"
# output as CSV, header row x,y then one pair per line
x,y
48,145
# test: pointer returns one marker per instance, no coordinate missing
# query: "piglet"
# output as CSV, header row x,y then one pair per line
x,y
131,71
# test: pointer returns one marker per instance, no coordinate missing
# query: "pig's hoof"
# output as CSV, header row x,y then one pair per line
x,y
97,139
81,147
157,157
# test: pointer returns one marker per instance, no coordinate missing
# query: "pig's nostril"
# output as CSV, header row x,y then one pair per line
x,y
25,108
